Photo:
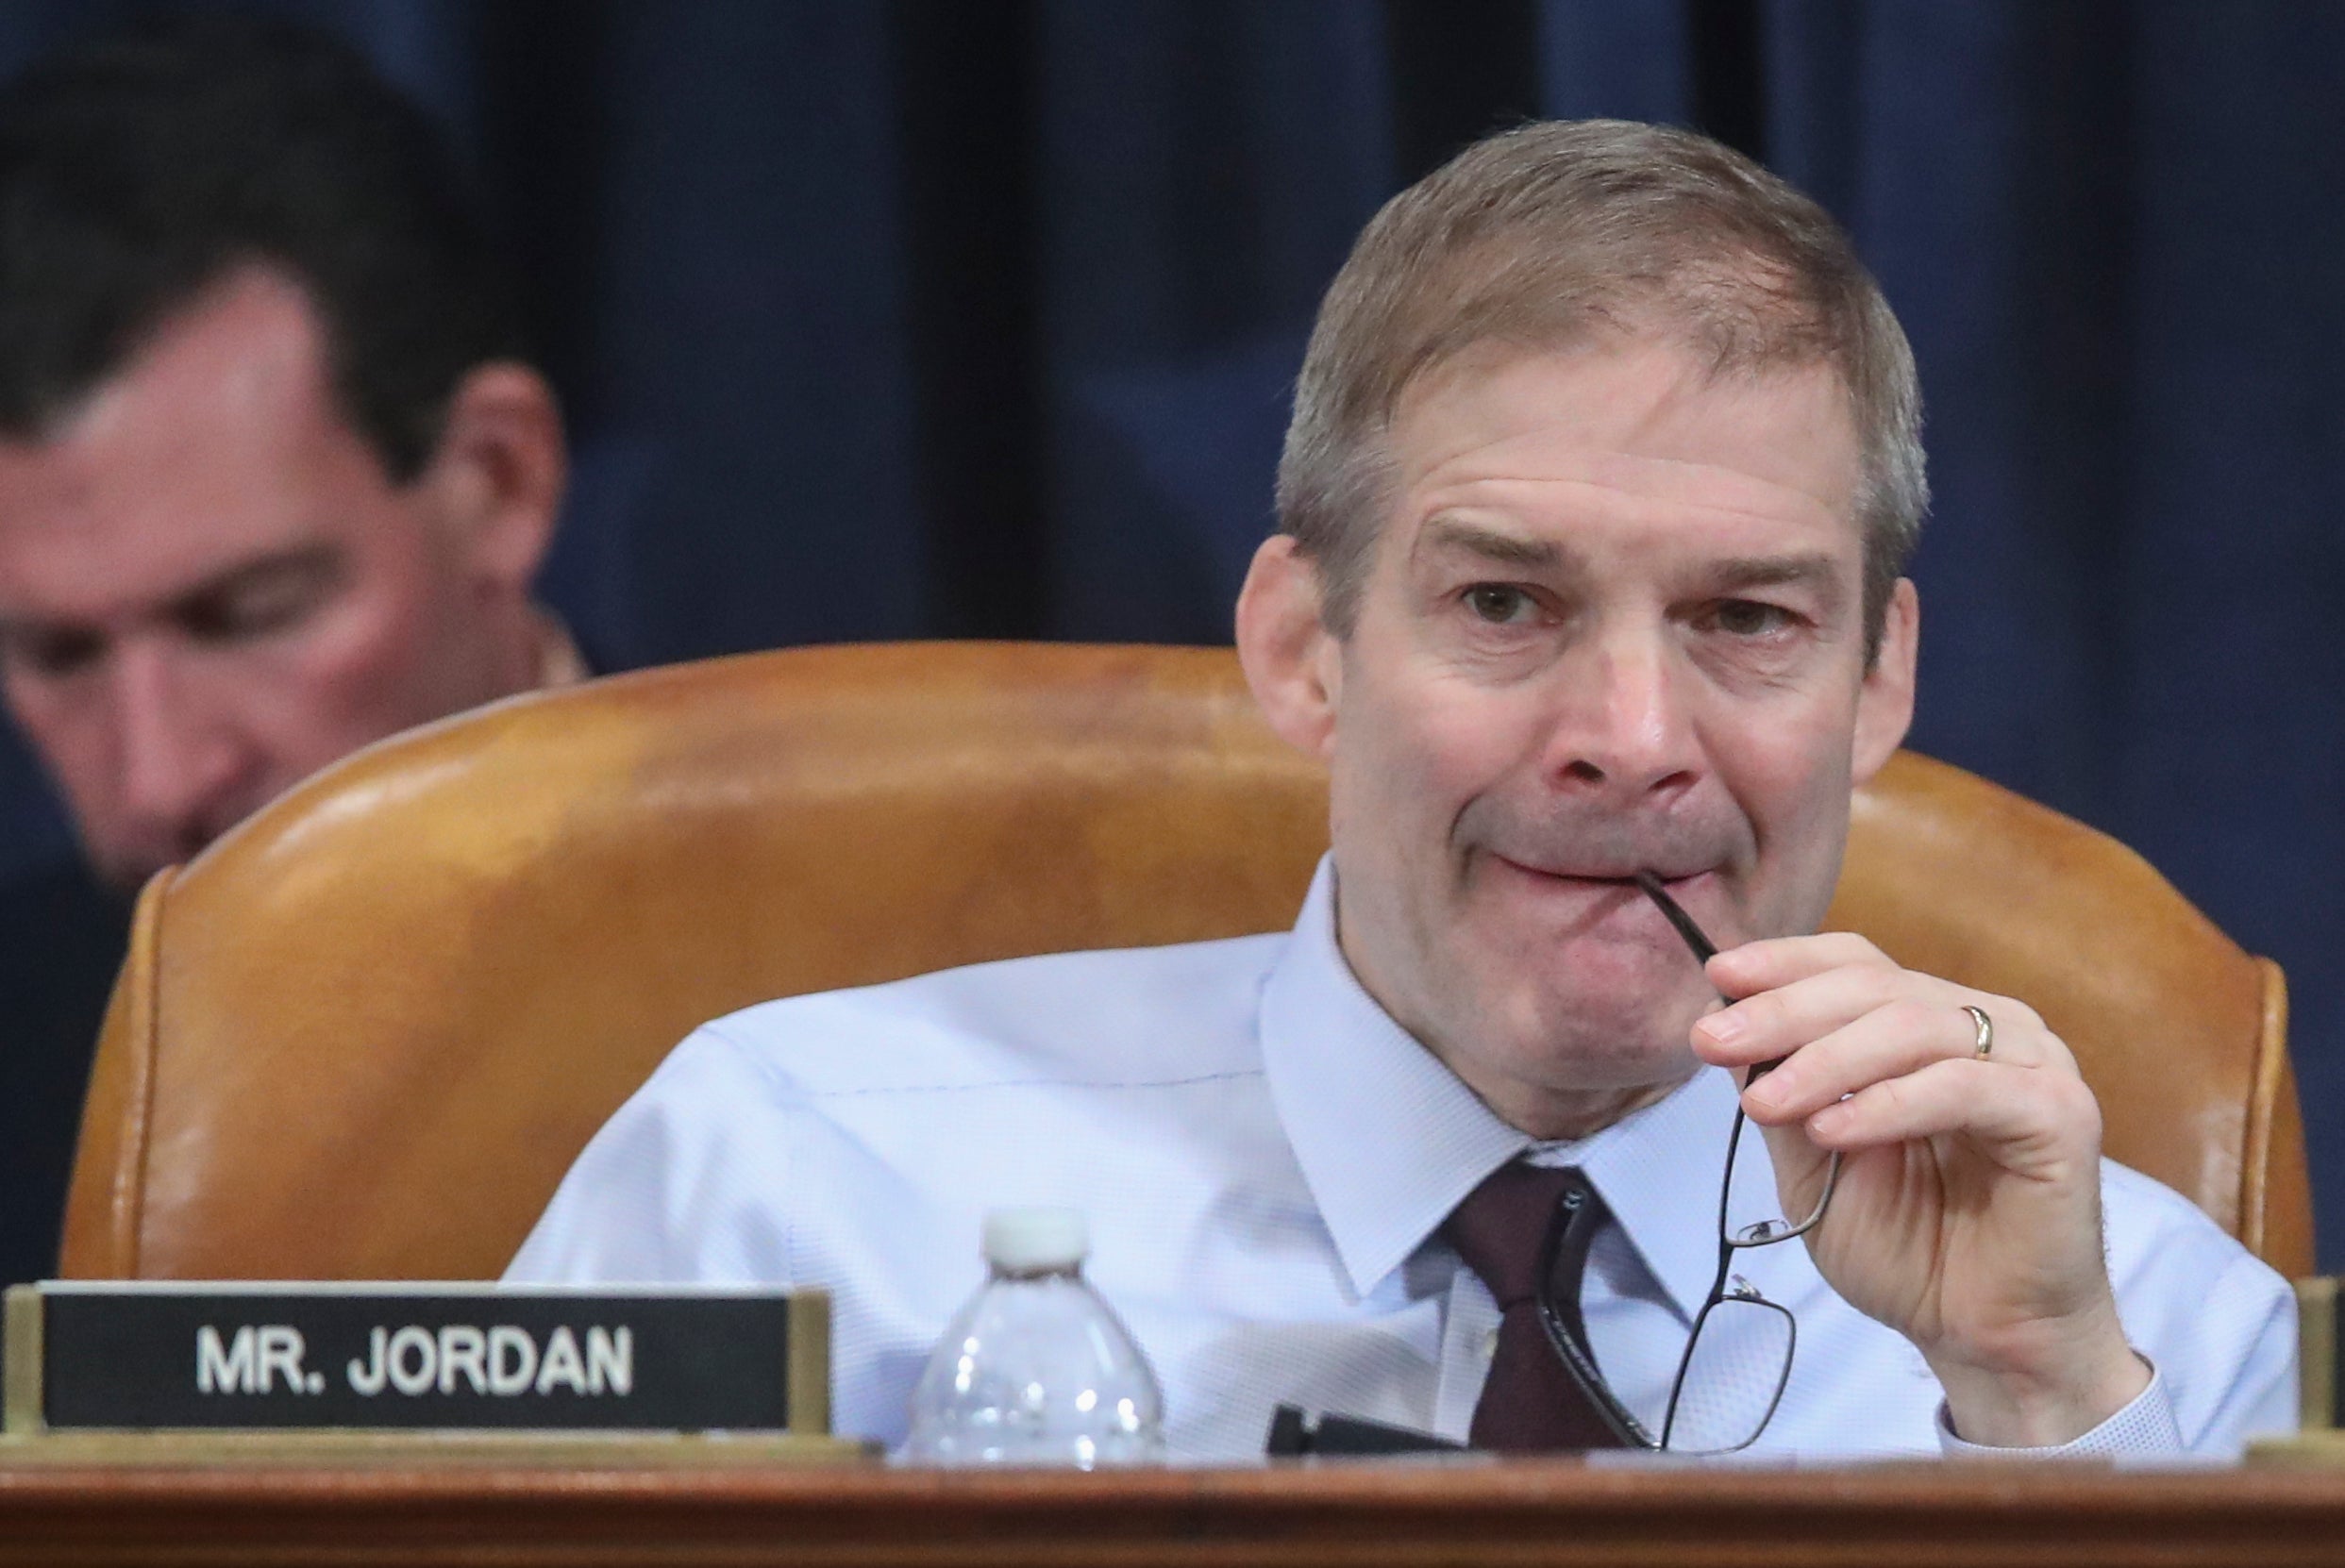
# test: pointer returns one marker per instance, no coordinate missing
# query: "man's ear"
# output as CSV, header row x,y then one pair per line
x,y
1293,663
499,471
1885,703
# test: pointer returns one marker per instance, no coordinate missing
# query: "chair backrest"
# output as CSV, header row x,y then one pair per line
x,y
364,1035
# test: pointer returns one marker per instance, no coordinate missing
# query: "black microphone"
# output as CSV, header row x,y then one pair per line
x,y
1294,1434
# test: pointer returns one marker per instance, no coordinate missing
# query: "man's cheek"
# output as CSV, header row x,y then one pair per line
x,y
319,703
1451,757
74,739
1798,842
366,668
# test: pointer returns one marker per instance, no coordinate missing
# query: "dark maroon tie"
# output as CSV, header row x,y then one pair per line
x,y
1530,1404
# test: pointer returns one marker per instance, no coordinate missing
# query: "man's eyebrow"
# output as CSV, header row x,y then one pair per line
x,y
1453,533
1807,569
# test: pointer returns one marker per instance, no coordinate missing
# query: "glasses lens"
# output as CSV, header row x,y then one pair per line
x,y
1733,1374
1755,1214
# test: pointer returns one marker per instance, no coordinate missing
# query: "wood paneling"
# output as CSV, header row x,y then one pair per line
x,y
1558,1512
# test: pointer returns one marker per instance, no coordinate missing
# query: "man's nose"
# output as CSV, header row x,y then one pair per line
x,y
1624,724
177,762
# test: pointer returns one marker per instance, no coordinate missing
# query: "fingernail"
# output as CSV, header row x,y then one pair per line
x,y
1723,1028
1832,1119
1766,1094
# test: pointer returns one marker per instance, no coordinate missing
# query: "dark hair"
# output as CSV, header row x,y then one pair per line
x,y
139,170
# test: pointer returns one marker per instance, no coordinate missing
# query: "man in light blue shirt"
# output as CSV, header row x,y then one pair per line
x,y
1603,470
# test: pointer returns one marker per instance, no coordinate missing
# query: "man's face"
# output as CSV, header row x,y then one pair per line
x,y
208,588
1612,623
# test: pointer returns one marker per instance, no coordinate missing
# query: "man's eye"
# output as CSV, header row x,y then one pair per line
x,y
54,655
1500,605
244,612
1749,618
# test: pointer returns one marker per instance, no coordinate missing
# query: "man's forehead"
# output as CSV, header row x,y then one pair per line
x,y
217,445
244,363
1629,407
1632,431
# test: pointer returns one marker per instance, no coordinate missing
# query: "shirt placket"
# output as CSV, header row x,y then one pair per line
x,y
1470,1336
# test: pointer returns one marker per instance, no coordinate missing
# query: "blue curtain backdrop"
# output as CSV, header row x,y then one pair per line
x,y
902,319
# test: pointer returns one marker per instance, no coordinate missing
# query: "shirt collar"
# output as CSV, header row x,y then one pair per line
x,y
1659,1169
1390,1140
560,662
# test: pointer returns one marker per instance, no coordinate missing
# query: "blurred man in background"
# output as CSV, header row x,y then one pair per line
x,y
276,474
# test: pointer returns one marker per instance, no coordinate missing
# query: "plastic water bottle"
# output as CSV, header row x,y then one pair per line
x,y
1036,1369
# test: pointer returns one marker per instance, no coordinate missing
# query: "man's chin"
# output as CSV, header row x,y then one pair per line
x,y
1623,976
1621,1019
1571,1088
1601,1061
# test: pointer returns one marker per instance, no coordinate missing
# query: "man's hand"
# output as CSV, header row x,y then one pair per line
x,y
1967,1216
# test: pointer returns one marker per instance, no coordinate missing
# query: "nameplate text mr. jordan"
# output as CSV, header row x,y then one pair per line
x,y
152,1356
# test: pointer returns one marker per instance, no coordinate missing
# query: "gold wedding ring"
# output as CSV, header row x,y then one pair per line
x,y
1985,1042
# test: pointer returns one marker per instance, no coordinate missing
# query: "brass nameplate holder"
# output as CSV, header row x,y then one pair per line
x,y
2318,1442
360,1369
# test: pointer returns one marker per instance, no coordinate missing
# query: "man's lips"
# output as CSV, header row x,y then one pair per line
x,y
1605,877
1579,896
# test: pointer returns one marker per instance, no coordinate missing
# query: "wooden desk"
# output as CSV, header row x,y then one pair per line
x,y
1518,1513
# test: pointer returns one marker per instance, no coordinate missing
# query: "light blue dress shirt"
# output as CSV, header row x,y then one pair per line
x,y
1265,1158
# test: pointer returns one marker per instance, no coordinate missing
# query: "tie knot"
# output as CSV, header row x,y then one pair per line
x,y
1499,1227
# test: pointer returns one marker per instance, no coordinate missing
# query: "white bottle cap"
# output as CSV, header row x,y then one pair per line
x,y
1025,1240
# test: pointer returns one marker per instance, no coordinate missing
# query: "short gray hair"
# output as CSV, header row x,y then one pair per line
x,y
1550,235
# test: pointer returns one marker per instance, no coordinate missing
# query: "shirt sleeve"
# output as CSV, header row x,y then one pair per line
x,y
648,1200
2146,1428
2218,1328
2218,1323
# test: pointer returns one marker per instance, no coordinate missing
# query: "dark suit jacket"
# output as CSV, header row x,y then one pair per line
x,y
62,938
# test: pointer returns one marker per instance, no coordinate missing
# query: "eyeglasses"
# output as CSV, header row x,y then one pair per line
x,y
1737,1359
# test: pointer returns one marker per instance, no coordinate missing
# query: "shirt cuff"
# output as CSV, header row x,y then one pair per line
x,y
2144,1429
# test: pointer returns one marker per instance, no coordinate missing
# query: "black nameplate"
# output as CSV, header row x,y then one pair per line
x,y
212,1356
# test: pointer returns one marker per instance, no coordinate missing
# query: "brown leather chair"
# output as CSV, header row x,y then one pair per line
x,y
364,1035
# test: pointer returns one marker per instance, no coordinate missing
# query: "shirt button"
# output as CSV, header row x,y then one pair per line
x,y
1490,1345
